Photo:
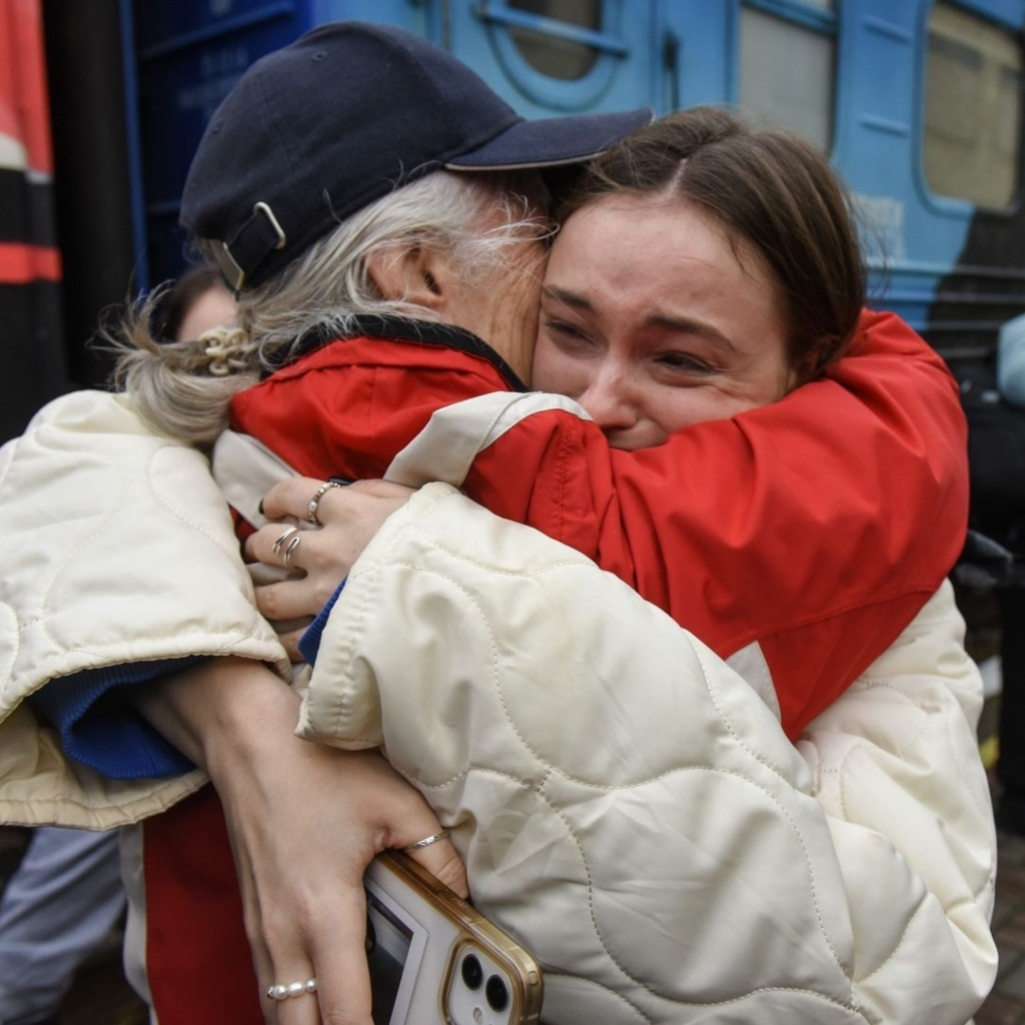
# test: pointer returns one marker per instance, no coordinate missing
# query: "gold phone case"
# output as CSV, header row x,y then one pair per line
x,y
452,958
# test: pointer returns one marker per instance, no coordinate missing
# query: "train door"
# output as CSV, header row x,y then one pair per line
x,y
970,168
776,56
930,142
550,56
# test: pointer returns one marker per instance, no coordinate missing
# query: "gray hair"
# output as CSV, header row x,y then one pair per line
x,y
183,388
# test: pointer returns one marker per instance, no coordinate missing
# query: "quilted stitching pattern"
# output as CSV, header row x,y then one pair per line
x,y
688,877
84,487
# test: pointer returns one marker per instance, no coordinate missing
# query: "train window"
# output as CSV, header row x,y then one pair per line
x,y
973,102
551,55
788,66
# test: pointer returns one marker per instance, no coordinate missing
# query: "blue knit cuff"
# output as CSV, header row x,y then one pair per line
x,y
99,728
309,643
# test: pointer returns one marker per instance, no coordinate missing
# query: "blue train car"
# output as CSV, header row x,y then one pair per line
x,y
917,102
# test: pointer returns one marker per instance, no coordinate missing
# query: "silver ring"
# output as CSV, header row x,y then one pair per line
x,y
282,991
426,842
285,535
311,509
290,549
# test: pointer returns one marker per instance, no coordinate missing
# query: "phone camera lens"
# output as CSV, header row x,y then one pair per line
x,y
497,993
473,973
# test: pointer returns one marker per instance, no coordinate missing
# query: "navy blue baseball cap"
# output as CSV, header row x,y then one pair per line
x,y
350,111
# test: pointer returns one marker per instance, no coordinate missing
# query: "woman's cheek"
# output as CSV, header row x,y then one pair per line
x,y
554,371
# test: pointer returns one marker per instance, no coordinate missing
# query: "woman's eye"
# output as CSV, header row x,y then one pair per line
x,y
565,330
685,361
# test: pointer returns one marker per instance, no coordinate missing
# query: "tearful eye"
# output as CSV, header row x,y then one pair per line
x,y
686,362
562,328
567,337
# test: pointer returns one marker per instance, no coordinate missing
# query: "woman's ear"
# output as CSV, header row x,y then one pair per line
x,y
416,275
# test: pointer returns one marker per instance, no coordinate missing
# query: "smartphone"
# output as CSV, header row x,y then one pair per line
x,y
435,959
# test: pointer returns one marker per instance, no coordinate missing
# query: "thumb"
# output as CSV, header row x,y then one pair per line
x,y
440,858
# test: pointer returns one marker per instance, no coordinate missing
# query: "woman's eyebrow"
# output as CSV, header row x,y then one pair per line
x,y
687,325
664,321
564,295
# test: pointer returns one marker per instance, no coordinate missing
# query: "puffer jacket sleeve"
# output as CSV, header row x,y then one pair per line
x,y
632,812
897,770
83,494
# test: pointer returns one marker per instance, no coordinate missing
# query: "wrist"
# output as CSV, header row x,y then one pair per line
x,y
225,711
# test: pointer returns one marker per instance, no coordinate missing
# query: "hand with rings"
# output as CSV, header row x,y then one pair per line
x,y
305,820
348,517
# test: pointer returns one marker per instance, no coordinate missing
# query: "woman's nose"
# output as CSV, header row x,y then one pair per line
x,y
607,400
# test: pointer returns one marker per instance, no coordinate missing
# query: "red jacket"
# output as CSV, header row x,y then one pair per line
x,y
815,527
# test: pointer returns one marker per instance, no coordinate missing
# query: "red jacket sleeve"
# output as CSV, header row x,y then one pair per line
x,y
348,407
817,526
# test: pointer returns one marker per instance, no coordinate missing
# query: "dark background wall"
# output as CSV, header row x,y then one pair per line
x,y
92,172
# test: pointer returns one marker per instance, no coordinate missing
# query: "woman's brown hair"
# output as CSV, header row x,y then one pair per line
x,y
767,188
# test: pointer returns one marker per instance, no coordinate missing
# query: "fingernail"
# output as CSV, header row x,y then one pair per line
x,y
259,508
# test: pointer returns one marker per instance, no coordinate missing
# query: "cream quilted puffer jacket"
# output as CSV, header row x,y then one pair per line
x,y
627,804
633,813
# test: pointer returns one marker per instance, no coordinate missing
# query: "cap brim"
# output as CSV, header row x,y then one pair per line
x,y
549,142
